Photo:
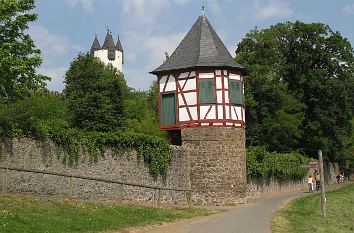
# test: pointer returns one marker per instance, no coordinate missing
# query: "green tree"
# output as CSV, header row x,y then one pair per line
x,y
273,115
18,55
347,157
95,94
309,69
141,112
153,97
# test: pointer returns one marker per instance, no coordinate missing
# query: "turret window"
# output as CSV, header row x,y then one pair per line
x,y
236,95
168,109
206,90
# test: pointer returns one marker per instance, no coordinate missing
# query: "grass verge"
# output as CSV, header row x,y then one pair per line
x,y
30,214
304,214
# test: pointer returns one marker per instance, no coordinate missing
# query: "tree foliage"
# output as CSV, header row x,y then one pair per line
x,y
140,115
95,94
299,88
18,56
33,116
153,97
265,165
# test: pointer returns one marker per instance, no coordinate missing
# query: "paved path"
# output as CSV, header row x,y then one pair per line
x,y
253,217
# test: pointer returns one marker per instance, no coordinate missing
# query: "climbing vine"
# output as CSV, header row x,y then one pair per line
x,y
155,151
262,164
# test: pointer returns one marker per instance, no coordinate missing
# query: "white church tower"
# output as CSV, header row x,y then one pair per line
x,y
109,53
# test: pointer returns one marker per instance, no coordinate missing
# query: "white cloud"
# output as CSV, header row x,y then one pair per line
x,y
181,2
143,11
349,8
215,8
48,42
57,75
158,45
86,4
272,9
147,56
54,48
139,79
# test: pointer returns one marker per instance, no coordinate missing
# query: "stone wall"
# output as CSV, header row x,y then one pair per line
x,y
30,154
331,170
256,188
217,165
211,162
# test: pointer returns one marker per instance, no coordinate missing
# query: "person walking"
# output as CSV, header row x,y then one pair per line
x,y
310,183
318,180
338,178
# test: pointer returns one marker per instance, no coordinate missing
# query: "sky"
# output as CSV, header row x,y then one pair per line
x,y
149,28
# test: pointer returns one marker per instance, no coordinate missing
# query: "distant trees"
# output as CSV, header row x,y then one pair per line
x,y
18,56
95,94
299,88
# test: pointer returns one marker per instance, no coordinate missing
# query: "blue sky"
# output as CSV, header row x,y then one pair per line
x,y
148,28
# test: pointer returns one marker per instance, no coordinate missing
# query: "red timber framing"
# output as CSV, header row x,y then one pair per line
x,y
192,115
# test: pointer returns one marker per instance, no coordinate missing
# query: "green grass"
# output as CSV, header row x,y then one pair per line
x,y
29,214
304,214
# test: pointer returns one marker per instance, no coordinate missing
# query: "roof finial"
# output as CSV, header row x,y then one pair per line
x,y
203,10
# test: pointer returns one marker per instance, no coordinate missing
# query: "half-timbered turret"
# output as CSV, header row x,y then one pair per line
x,y
201,85
201,104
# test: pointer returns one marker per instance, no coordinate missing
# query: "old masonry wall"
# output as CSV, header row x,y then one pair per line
x,y
208,169
126,167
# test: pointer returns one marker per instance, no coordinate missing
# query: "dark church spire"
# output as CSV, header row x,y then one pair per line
x,y
119,46
95,45
109,45
108,41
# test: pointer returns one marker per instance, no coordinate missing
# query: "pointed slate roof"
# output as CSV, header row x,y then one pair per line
x,y
201,47
108,41
95,45
119,46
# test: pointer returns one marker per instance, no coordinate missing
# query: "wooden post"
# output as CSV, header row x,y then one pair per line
x,y
189,198
323,196
159,198
71,187
5,181
121,193
173,194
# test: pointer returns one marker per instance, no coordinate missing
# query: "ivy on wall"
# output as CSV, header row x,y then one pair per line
x,y
155,151
69,142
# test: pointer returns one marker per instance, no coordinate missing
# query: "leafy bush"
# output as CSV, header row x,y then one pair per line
x,y
262,164
33,116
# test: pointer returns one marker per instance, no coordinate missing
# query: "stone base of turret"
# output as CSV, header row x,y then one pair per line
x,y
218,165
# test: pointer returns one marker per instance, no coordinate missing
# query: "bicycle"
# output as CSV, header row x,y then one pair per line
x,y
310,187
